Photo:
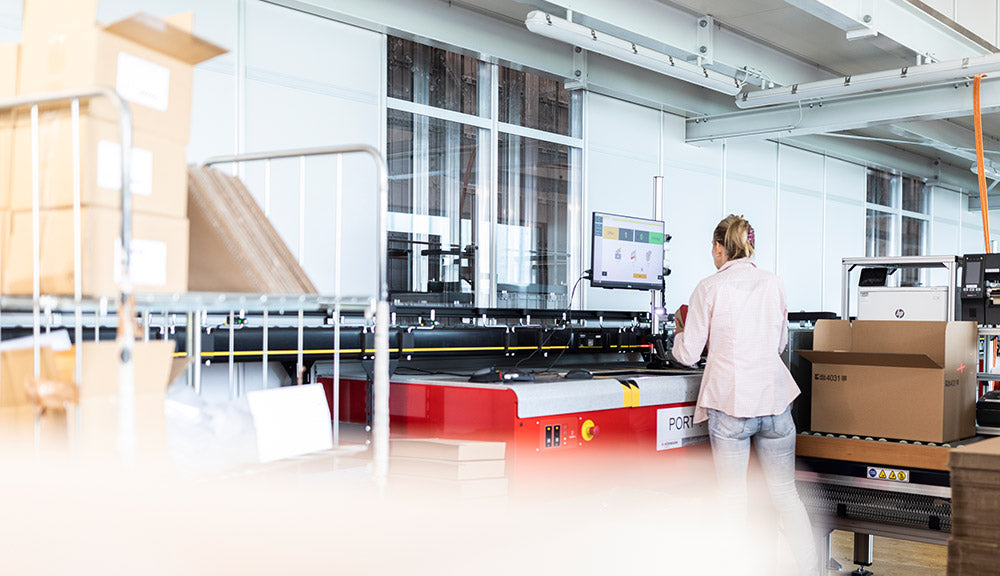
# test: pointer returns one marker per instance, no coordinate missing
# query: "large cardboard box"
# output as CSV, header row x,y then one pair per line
x,y
901,380
148,61
94,422
158,167
9,55
98,411
159,252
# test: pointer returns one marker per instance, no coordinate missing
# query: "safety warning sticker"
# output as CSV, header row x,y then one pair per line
x,y
888,474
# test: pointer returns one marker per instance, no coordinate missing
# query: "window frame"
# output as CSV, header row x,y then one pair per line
x,y
898,213
488,122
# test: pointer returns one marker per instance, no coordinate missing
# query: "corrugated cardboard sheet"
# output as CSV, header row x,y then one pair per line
x,y
234,248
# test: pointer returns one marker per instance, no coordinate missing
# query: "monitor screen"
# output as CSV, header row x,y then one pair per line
x,y
972,276
626,252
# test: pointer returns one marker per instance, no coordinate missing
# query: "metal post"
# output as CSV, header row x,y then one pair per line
x,y
196,350
77,249
189,347
845,294
300,365
263,360
233,392
863,544
380,393
338,236
302,210
35,244
126,312
657,296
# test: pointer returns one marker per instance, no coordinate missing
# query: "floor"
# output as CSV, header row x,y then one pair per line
x,y
893,557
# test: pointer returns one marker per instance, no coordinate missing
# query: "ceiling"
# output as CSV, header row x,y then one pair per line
x,y
811,40
796,32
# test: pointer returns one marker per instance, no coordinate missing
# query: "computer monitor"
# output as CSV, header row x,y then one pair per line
x,y
626,252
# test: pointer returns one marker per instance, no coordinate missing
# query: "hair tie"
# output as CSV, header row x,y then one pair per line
x,y
750,238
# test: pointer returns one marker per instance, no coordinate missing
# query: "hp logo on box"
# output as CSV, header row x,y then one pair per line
x,y
900,313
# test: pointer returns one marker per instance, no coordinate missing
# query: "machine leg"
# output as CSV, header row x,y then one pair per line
x,y
826,545
863,544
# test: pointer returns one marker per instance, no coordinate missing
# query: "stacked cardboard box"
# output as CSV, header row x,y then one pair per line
x,y
9,55
457,469
149,62
900,380
975,475
234,248
97,407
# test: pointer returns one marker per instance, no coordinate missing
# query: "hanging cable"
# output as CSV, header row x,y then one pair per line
x,y
980,164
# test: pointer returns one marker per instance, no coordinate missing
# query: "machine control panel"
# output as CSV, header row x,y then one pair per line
x,y
562,433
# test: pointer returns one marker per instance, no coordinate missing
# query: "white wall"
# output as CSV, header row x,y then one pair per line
x,y
843,228
315,82
692,206
808,210
800,226
309,82
622,143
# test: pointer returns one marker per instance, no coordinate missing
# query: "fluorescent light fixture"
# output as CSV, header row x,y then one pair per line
x,y
577,35
990,170
924,74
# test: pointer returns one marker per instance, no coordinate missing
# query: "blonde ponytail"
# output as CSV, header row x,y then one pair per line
x,y
736,236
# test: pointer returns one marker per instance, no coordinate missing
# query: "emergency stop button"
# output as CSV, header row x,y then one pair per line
x,y
589,430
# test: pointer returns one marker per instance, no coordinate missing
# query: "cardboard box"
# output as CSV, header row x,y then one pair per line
x,y
448,469
9,55
158,168
94,422
446,449
159,252
901,380
148,61
5,217
98,411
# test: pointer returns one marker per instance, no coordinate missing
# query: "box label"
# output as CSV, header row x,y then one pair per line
x,y
675,428
818,377
109,168
143,82
149,262
888,474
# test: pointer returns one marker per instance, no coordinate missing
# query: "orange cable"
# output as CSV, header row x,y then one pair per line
x,y
980,164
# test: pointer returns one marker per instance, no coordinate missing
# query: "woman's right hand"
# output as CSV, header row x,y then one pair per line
x,y
679,315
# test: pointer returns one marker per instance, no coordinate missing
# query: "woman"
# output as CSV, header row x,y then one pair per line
x,y
746,391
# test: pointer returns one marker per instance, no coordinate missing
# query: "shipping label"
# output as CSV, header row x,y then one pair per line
x,y
143,82
675,428
109,168
148,262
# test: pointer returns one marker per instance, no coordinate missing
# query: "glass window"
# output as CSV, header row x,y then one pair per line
x,y
533,234
443,211
432,76
882,187
916,197
879,233
432,196
914,244
536,102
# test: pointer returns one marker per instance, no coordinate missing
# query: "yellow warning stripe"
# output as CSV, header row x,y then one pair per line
x,y
631,390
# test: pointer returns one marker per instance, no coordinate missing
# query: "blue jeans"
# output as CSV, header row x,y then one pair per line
x,y
774,441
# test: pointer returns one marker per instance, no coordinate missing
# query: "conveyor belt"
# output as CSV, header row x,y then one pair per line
x,y
920,511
